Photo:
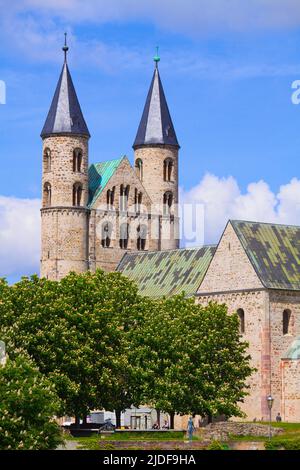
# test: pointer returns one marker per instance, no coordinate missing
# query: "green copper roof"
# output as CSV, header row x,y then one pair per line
x,y
166,273
294,350
274,251
99,175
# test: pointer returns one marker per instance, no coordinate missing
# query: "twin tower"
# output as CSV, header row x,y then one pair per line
x,y
93,215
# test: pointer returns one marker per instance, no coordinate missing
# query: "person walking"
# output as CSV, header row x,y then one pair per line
x,y
278,418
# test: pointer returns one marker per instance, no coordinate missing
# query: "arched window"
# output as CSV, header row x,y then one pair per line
x,y
167,203
47,159
138,198
168,169
141,237
241,315
124,196
106,235
47,195
286,318
77,160
139,168
77,194
110,196
124,234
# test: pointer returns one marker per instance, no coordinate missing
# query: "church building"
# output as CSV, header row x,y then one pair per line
x,y
92,215
116,216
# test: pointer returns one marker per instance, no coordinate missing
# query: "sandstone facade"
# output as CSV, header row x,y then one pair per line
x,y
232,280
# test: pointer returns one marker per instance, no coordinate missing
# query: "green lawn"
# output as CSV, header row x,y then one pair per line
x,y
91,442
290,437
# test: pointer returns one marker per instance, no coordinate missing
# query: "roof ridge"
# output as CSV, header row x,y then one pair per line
x,y
110,160
171,249
263,223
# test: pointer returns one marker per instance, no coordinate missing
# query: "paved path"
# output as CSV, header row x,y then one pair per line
x,y
69,445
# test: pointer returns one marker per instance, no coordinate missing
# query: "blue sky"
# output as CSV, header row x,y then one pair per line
x,y
227,70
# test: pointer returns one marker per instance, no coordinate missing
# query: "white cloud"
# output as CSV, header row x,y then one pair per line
x,y
34,30
221,197
190,16
223,200
19,236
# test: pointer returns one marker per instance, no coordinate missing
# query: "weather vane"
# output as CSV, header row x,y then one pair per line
x,y
65,48
156,58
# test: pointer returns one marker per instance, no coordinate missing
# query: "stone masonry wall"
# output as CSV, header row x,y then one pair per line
x,y
153,181
255,306
230,269
64,242
290,403
61,176
64,233
109,258
224,430
285,378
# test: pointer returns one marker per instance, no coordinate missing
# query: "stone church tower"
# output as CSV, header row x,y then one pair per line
x,y
64,212
92,216
156,160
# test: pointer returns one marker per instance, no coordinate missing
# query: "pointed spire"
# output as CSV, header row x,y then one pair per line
x,y
65,115
156,126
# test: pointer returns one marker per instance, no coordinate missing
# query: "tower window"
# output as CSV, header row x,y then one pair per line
x,y
241,315
77,160
106,235
124,196
139,168
168,169
124,234
77,194
141,237
286,319
47,195
167,203
47,159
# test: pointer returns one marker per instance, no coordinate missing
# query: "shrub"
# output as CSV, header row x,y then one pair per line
x,y
286,444
216,445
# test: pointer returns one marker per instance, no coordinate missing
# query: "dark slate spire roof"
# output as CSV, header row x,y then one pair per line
x,y
156,125
65,115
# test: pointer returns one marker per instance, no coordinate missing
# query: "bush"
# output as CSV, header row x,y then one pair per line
x,y
27,406
216,445
286,444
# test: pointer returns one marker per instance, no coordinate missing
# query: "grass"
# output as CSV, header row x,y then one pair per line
x,y
148,436
132,436
291,433
92,442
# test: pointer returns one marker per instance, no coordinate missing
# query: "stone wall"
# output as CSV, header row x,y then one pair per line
x,y
64,241
153,158
109,258
283,378
231,279
64,230
290,404
230,269
61,175
223,431
255,306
